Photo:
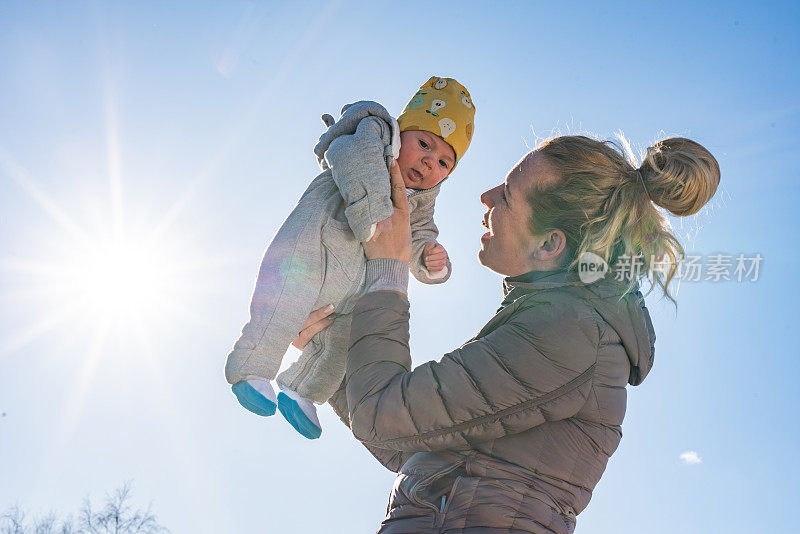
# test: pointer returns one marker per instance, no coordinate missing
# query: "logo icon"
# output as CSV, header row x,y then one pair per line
x,y
591,267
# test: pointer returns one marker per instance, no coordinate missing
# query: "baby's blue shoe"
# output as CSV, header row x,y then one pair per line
x,y
300,412
256,395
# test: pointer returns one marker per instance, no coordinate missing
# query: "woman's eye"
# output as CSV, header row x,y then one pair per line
x,y
423,144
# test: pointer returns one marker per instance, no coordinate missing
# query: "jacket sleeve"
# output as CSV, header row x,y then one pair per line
x,y
391,460
536,367
424,231
358,166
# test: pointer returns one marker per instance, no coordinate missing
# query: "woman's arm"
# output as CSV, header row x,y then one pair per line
x,y
391,460
536,367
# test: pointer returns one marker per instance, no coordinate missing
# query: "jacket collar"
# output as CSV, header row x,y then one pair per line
x,y
530,282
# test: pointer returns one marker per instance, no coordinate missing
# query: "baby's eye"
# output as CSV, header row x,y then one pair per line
x,y
423,144
443,163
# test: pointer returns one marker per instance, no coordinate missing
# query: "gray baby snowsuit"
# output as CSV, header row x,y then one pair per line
x,y
316,257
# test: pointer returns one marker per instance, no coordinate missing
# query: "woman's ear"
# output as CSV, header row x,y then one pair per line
x,y
550,246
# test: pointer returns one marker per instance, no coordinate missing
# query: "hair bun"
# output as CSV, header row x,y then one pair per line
x,y
680,175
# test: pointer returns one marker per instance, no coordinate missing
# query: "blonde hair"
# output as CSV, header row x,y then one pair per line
x,y
605,205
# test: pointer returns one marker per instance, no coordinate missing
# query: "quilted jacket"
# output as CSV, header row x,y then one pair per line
x,y
510,432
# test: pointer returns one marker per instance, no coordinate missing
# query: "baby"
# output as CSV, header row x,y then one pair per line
x,y
316,257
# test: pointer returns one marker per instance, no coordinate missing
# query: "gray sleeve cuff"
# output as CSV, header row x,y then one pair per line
x,y
385,274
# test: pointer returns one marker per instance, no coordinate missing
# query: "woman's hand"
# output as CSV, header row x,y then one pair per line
x,y
395,243
317,321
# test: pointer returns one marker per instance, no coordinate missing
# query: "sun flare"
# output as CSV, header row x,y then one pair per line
x,y
119,289
93,274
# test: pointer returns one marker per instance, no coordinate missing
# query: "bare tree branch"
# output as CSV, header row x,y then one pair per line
x,y
117,516
13,521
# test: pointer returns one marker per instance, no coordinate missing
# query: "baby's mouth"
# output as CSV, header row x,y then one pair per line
x,y
415,175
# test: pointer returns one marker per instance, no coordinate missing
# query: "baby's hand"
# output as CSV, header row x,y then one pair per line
x,y
383,226
435,257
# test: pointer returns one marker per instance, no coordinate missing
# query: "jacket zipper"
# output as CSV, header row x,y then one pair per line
x,y
446,501
427,482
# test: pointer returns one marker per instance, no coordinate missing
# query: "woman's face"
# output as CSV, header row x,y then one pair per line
x,y
508,247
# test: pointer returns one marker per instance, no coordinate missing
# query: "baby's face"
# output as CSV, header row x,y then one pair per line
x,y
425,159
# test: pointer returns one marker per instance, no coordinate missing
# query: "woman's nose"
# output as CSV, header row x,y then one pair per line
x,y
486,197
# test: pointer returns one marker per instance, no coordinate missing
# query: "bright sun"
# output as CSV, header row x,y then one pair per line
x,y
117,290
99,277
121,277
110,290
122,280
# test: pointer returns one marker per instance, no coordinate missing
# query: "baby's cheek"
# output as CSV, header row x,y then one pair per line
x,y
405,154
403,159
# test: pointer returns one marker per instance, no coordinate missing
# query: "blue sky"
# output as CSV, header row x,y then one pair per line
x,y
182,135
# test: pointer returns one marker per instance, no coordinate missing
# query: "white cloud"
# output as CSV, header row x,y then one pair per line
x,y
690,458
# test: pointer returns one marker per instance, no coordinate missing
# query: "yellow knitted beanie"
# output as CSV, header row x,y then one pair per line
x,y
443,107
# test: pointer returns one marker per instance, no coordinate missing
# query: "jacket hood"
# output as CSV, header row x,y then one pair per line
x,y
627,314
624,311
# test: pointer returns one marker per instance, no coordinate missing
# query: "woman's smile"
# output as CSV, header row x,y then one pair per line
x,y
485,224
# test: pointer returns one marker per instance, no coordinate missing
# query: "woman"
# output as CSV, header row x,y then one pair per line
x,y
512,431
